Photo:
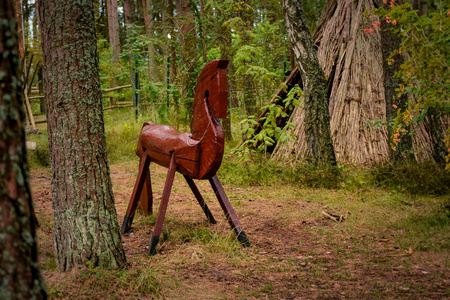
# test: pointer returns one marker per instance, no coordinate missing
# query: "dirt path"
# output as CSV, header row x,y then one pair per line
x,y
296,253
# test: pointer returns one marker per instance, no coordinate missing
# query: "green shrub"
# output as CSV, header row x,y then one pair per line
x,y
420,179
122,133
40,157
262,171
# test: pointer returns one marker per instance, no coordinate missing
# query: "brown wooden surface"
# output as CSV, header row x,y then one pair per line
x,y
200,199
142,175
199,154
163,206
146,199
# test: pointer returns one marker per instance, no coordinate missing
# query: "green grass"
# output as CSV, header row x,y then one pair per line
x,y
387,209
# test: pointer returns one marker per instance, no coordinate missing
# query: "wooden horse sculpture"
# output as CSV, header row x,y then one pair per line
x,y
196,155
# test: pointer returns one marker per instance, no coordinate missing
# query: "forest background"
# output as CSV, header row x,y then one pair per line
x,y
159,48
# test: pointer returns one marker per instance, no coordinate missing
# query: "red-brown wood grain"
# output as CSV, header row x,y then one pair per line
x,y
197,154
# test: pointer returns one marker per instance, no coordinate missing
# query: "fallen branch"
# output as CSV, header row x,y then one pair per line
x,y
336,218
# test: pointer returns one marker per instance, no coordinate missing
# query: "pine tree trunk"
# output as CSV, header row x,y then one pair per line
x,y
225,53
114,40
86,227
18,9
187,46
171,51
148,20
19,269
317,118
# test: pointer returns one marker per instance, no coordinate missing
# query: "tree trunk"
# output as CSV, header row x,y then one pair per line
x,y
148,20
317,118
129,11
19,268
114,39
226,53
86,227
187,46
171,51
21,42
352,62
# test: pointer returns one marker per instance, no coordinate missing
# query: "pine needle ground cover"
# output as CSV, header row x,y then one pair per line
x,y
356,233
381,244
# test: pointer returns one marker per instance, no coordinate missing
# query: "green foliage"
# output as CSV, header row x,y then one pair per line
x,y
262,172
426,68
142,281
122,133
414,178
40,157
259,139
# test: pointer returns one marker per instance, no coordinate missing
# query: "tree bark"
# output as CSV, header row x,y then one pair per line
x,y
18,9
317,117
114,39
86,227
148,20
187,46
19,268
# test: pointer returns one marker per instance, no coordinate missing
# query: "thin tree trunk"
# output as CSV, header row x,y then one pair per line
x,y
19,269
172,50
129,11
148,19
86,227
187,46
114,40
225,51
317,118
18,9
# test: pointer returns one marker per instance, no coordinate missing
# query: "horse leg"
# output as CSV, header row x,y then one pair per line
x,y
163,206
229,212
146,199
132,205
200,200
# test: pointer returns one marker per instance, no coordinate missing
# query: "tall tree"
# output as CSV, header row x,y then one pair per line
x,y
86,227
19,269
114,38
149,30
187,46
317,117
18,8
352,61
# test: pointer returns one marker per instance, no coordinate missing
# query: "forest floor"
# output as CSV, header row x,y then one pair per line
x,y
388,245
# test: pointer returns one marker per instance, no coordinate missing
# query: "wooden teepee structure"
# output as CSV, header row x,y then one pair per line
x,y
352,61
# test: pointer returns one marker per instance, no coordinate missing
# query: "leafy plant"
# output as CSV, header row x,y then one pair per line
x,y
425,71
270,133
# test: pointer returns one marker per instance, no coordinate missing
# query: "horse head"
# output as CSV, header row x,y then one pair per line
x,y
212,85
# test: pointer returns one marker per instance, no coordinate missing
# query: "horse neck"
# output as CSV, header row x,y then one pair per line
x,y
204,124
208,131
